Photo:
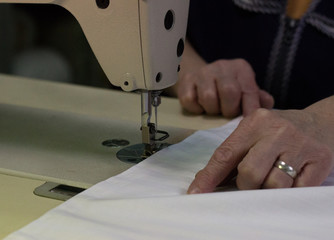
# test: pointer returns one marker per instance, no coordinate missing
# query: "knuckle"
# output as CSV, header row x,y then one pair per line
x,y
221,63
230,89
207,96
262,113
186,100
258,117
241,62
204,71
208,70
250,174
245,67
187,78
205,178
222,157
288,131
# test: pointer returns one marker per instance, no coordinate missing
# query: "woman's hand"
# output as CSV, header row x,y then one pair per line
x,y
226,87
303,139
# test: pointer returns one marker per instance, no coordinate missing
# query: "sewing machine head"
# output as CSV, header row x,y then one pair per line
x,y
138,43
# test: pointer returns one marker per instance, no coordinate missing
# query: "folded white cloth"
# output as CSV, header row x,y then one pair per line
x,y
149,201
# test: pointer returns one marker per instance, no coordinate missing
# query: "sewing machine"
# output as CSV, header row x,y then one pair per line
x,y
139,44
69,136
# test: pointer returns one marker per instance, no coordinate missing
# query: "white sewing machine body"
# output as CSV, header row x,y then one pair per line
x,y
138,43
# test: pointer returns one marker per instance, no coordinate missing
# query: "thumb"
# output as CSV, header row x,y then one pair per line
x,y
266,100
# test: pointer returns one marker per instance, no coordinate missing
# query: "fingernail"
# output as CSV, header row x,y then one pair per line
x,y
194,191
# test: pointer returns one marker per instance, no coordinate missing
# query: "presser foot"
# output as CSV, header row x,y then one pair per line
x,y
139,152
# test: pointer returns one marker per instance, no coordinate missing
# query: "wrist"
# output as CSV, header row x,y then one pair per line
x,y
323,118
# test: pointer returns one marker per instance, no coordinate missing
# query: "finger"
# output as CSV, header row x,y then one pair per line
x,y
266,100
249,88
278,179
292,156
256,165
220,165
250,102
226,158
207,95
187,94
230,98
229,92
316,171
310,176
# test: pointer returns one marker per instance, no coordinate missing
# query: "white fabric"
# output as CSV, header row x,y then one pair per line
x,y
149,201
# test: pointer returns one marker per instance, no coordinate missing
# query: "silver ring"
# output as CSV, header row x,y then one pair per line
x,y
286,168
